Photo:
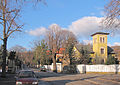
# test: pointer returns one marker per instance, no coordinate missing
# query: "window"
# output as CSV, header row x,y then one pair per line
x,y
95,40
26,74
102,50
102,39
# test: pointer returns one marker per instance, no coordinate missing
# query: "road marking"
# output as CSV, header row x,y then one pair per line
x,y
109,80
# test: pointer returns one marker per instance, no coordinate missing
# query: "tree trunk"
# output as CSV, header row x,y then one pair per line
x,y
4,58
54,63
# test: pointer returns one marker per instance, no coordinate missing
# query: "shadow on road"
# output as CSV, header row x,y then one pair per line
x,y
9,80
65,82
59,79
50,74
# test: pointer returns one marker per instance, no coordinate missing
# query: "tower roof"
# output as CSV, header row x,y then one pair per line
x,y
103,33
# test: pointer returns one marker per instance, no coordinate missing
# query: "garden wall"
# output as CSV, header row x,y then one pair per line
x,y
98,68
50,67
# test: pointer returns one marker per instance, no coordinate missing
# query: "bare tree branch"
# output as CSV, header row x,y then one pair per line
x,y
17,29
1,38
112,10
9,10
12,20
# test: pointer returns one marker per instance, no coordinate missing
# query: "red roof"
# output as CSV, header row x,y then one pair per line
x,y
60,51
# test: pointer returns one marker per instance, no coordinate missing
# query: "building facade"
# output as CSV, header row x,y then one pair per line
x,y
100,48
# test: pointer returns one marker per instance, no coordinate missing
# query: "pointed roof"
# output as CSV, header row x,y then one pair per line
x,y
85,47
100,33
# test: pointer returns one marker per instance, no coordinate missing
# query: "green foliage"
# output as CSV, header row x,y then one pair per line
x,y
111,60
81,60
34,60
41,56
84,58
70,42
12,55
69,46
69,51
18,62
98,60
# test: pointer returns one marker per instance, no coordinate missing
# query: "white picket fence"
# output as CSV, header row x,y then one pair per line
x,y
98,68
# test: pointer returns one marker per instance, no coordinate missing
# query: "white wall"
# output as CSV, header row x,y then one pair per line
x,y
98,68
50,67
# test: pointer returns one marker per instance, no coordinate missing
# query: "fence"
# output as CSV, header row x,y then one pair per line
x,y
50,67
98,68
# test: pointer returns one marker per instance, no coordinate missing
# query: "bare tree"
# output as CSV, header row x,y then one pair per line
x,y
54,42
9,14
112,11
18,49
58,38
68,42
8,22
68,38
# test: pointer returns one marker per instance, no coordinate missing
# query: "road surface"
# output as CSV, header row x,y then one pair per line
x,y
78,79
50,78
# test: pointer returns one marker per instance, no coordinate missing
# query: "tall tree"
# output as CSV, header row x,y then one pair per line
x,y
9,14
9,24
112,11
68,42
58,38
54,42
1,49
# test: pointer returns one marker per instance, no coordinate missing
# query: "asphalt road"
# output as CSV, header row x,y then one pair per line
x,y
50,78
78,79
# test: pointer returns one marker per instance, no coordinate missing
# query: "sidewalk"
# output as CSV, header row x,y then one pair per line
x,y
9,80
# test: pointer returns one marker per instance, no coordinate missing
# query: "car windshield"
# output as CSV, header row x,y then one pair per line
x,y
26,74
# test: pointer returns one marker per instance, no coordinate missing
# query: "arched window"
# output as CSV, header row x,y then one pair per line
x,y
95,40
102,39
102,50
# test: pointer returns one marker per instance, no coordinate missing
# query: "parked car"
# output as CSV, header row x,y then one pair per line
x,y
42,68
26,77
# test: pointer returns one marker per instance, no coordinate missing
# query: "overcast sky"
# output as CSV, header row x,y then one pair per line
x,y
82,17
